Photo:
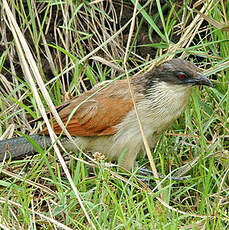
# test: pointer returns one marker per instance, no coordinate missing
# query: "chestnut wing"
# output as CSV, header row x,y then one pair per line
x,y
97,115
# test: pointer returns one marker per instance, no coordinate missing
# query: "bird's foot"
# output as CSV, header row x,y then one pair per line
x,y
149,173
147,176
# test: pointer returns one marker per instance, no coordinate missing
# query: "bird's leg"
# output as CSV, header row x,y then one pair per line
x,y
147,177
149,173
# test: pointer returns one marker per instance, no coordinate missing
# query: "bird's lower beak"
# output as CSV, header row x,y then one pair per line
x,y
201,79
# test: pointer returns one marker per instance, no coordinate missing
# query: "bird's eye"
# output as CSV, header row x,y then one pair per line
x,y
181,76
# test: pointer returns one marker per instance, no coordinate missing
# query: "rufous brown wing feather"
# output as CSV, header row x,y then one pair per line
x,y
95,115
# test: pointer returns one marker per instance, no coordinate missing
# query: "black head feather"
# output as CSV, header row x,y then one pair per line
x,y
175,71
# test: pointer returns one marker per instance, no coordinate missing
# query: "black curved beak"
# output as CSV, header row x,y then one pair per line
x,y
201,79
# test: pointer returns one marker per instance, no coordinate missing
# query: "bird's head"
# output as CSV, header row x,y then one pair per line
x,y
173,76
180,72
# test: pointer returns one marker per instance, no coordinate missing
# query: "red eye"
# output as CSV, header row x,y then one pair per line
x,y
181,76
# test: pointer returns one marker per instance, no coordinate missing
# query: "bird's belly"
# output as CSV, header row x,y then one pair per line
x,y
166,118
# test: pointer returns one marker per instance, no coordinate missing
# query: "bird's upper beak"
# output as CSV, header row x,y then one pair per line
x,y
201,79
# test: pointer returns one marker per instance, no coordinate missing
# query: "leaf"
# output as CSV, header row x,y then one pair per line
x,y
218,25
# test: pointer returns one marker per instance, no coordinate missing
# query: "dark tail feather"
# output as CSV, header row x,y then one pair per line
x,y
19,147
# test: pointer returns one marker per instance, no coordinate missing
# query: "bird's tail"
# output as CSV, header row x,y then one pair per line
x,y
20,146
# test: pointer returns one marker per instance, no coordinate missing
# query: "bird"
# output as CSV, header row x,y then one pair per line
x,y
105,119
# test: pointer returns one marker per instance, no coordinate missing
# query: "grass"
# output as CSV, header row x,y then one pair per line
x,y
75,46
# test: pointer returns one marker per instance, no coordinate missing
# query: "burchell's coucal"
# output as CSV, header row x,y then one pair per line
x,y
106,122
